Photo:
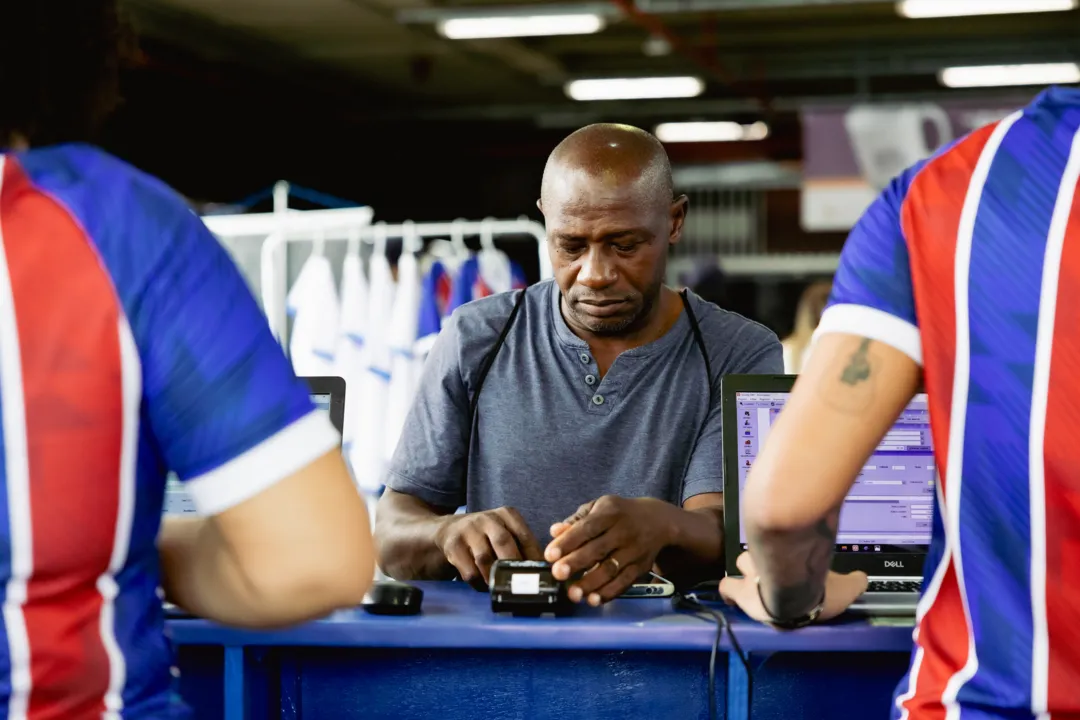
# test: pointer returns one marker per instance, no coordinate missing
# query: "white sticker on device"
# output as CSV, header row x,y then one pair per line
x,y
525,584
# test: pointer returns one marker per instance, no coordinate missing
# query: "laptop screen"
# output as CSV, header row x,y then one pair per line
x,y
322,402
891,505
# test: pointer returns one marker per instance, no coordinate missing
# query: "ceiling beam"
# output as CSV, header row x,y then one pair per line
x,y
703,59
659,6
564,115
880,60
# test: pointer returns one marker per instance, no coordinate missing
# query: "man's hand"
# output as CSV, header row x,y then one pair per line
x,y
614,540
840,591
472,542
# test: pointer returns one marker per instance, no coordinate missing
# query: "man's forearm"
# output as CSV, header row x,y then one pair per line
x,y
201,575
792,565
405,534
696,550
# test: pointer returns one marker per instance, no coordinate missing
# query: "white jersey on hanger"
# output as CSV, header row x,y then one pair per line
x,y
401,340
369,401
313,305
495,270
350,358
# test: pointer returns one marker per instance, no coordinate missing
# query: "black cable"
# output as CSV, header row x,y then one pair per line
x,y
689,602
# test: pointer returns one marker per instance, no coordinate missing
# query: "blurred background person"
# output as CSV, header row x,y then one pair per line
x,y
807,316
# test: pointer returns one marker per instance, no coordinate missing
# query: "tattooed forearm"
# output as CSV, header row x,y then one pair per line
x,y
852,389
796,564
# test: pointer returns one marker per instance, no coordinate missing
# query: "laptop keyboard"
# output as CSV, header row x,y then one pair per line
x,y
894,586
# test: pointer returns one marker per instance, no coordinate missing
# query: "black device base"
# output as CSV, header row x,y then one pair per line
x,y
393,598
526,588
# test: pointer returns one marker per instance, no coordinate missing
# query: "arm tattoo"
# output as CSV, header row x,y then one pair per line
x,y
858,368
852,392
798,562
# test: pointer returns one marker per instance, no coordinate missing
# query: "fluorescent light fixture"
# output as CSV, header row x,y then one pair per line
x,y
963,8
1010,75
474,28
644,88
710,132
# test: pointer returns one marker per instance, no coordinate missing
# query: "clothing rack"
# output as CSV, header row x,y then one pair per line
x,y
353,225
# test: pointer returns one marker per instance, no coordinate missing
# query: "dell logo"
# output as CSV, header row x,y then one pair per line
x,y
894,563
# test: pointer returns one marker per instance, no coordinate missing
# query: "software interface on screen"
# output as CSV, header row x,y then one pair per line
x,y
892,502
177,500
322,402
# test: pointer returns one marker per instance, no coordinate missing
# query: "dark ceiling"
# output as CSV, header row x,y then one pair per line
x,y
764,55
341,95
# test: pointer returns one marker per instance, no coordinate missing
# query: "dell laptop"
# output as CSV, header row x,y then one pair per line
x,y
886,519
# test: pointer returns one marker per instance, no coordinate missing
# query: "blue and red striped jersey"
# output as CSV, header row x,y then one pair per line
x,y
970,264
129,346
469,283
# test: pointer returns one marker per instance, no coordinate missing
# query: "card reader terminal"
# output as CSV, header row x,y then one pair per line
x,y
526,588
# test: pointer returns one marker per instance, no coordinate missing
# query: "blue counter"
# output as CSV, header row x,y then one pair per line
x,y
631,658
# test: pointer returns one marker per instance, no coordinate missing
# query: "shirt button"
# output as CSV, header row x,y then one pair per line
x,y
585,358
597,399
590,379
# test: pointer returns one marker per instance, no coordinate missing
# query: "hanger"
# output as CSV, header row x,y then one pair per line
x,y
494,264
353,248
380,235
487,235
319,247
411,241
457,238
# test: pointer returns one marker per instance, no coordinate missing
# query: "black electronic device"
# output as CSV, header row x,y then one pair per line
x,y
527,588
651,590
393,598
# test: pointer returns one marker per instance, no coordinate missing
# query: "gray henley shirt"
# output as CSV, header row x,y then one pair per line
x,y
550,434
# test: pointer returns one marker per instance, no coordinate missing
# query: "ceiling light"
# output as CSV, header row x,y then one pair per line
x,y
634,88
960,8
710,132
473,28
1010,75
656,46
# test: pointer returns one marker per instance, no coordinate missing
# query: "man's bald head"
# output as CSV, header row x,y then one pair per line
x,y
610,219
615,156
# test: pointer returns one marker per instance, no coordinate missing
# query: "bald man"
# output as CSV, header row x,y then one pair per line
x,y
595,442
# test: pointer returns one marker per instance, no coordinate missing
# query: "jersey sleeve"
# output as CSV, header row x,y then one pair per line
x,y
223,404
872,294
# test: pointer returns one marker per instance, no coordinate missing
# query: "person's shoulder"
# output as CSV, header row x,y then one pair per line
x,y
116,203
91,174
735,343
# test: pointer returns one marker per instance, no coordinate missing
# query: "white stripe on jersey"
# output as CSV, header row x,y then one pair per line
x,y
17,467
925,603
131,382
958,415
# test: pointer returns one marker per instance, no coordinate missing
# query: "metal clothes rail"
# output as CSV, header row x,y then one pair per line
x,y
284,226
